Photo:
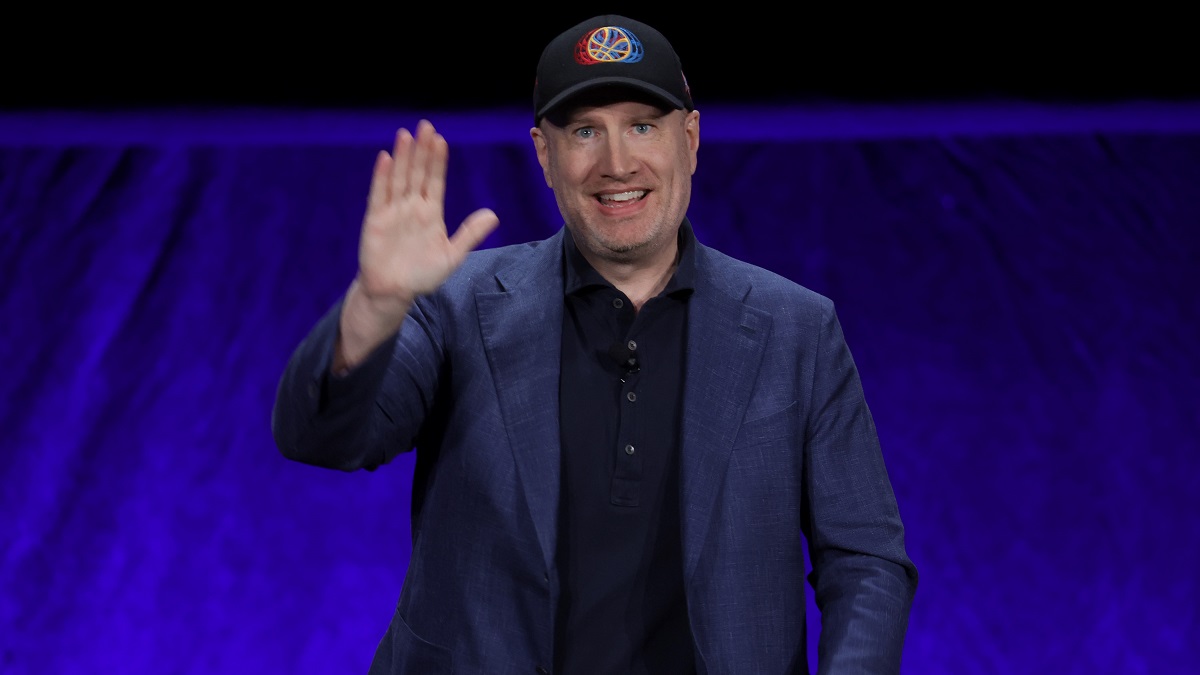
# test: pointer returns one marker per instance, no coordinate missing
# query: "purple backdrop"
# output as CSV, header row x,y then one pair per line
x,y
1019,285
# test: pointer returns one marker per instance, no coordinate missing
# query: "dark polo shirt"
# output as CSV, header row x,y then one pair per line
x,y
622,607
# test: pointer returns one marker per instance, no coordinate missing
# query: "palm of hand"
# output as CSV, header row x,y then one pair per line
x,y
404,250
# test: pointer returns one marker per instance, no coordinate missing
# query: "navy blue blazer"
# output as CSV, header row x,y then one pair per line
x,y
779,450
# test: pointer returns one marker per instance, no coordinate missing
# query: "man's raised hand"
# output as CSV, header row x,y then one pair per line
x,y
404,249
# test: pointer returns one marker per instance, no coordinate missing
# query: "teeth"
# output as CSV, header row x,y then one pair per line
x,y
623,196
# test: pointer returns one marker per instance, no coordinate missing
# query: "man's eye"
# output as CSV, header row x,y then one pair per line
x,y
641,128
585,132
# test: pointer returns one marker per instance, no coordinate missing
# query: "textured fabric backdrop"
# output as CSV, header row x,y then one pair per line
x,y
1019,286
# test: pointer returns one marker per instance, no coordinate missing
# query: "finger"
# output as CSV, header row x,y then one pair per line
x,y
381,177
423,147
471,233
435,170
402,153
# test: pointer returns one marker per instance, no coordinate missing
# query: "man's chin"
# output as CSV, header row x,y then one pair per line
x,y
617,247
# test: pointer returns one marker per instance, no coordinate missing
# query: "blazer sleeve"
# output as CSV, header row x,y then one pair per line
x,y
365,418
863,579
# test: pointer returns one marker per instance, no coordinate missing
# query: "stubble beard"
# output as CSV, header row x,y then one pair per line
x,y
620,251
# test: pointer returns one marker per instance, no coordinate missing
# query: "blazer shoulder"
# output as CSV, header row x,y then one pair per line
x,y
481,269
762,288
489,260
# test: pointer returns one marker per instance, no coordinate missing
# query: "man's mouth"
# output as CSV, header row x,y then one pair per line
x,y
621,198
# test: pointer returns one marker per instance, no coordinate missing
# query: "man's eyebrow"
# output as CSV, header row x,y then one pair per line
x,y
588,117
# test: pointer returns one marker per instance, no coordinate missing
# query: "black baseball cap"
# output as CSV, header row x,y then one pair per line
x,y
609,50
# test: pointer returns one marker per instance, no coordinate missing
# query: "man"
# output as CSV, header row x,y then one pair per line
x,y
624,438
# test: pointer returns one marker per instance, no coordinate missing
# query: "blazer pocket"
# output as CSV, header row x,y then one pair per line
x,y
403,651
774,426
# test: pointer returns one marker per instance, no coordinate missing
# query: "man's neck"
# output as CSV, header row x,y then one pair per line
x,y
641,280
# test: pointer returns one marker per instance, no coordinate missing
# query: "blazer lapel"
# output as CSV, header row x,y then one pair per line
x,y
522,335
726,339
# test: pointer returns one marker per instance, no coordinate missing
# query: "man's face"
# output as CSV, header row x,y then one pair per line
x,y
621,172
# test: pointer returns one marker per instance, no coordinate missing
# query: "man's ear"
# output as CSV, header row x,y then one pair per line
x,y
691,127
540,145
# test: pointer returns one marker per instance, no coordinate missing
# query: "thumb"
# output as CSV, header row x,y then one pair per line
x,y
473,230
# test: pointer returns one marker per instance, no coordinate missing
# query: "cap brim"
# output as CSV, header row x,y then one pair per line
x,y
639,85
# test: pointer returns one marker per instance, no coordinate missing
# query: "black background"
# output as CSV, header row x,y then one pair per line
x,y
461,57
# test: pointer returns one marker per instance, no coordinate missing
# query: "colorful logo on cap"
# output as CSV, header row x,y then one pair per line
x,y
608,44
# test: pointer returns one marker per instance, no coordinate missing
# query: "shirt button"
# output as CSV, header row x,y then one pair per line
x,y
629,449
618,303
541,671
632,346
631,396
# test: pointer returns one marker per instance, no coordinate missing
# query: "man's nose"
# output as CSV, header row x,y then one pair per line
x,y
618,160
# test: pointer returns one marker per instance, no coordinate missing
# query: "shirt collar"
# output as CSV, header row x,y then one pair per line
x,y
578,273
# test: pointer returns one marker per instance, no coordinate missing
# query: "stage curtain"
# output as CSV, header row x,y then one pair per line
x,y
1021,300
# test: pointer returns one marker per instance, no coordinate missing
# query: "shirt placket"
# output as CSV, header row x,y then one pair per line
x,y
627,469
